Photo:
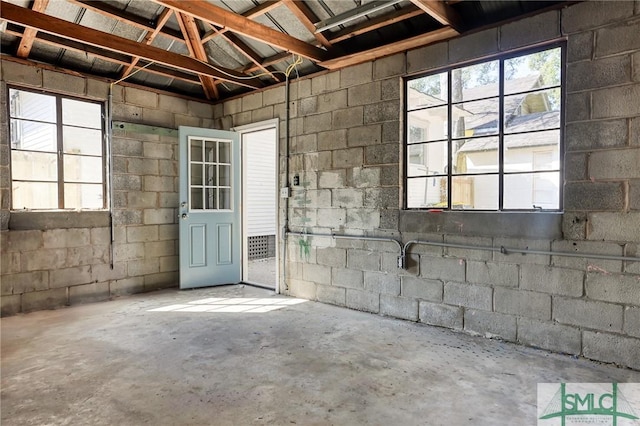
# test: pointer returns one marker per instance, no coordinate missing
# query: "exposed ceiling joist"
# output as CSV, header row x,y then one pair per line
x,y
239,24
441,12
194,44
29,36
60,27
254,12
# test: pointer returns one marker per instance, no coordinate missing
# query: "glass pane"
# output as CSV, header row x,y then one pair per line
x,y
475,192
475,81
33,136
224,149
78,168
521,151
532,111
34,195
79,113
427,159
34,166
196,150
428,192
225,175
82,141
532,191
478,155
211,178
225,199
196,198
427,91
34,106
427,125
210,152
83,196
196,174
211,198
476,118
541,69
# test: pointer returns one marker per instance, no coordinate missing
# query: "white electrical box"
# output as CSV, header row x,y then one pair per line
x,y
284,192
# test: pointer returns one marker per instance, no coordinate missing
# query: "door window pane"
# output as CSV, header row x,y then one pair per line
x,y
225,199
224,150
211,198
196,174
196,150
196,198
210,152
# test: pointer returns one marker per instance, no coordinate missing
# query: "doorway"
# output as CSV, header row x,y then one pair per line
x,y
259,145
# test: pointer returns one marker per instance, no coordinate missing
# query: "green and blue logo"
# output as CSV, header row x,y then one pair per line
x,y
586,403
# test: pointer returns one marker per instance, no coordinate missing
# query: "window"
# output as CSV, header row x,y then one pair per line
x,y
210,174
486,136
57,152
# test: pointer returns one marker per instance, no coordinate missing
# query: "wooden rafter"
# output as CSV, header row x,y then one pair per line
x,y
196,49
29,36
49,24
376,23
441,12
254,12
208,12
148,39
308,19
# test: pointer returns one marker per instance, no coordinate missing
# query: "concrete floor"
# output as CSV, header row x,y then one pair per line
x,y
159,359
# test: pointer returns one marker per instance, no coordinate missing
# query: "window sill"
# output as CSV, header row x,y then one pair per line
x,y
535,225
43,220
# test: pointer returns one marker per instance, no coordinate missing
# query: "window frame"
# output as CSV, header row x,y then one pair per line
x,y
451,139
59,148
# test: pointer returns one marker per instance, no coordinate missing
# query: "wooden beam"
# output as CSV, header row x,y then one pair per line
x,y
208,12
390,49
29,36
196,49
148,38
308,19
441,12
376,23
254,12
60,27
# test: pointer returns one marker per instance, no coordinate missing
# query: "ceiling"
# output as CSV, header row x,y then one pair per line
x,y
216,49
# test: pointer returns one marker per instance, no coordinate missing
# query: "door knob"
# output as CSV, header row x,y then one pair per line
x,y
184,215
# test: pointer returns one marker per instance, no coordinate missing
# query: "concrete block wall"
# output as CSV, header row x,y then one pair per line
x,y
346,146
57,259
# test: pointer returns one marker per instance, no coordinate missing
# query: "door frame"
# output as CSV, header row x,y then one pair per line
x,y
242,130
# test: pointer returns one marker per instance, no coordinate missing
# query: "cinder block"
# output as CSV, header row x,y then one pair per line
x,y
69,276
168,232
399,307
201,109
158,150
474,45
126,147
613,288
391,132
159,216
161,280
20,73
634,194
468,295
301,289
538,28
173,104
587,314
580,46
517,243
126,286
10,305
390,264
127,217
158,118
10,262
347,158
127,113
252,101
332,101
127,182
357,74
159,183
635,66
385,198
331,256
389,66
382,111
389,219
580,17
440,315
102,273
331,217
613,164
442,268
273,96
100,236
545,279
159,248
140,97
363,300
25,282
387,153
94,292
379,282
632,320
142,166
428,57
586,75
334,139
78,256
330,294
365,177
575,166
169,263
124,252
348,118
232,106
578,107
468,254
21,241
60,238
308,106
583,263
262,114
574,225
320,274
347,198
390,89
364,94
63,82
614,348
614,226
618,38
350,278
304,143
363,218
143,267
142,233
523,303
490,324
168,167
596,135
317,123
617,101
547,335
44,260
421,288
48,299
364,260
168,199
492,274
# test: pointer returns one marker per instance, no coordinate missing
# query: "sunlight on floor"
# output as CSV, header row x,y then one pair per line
x,y
235,304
